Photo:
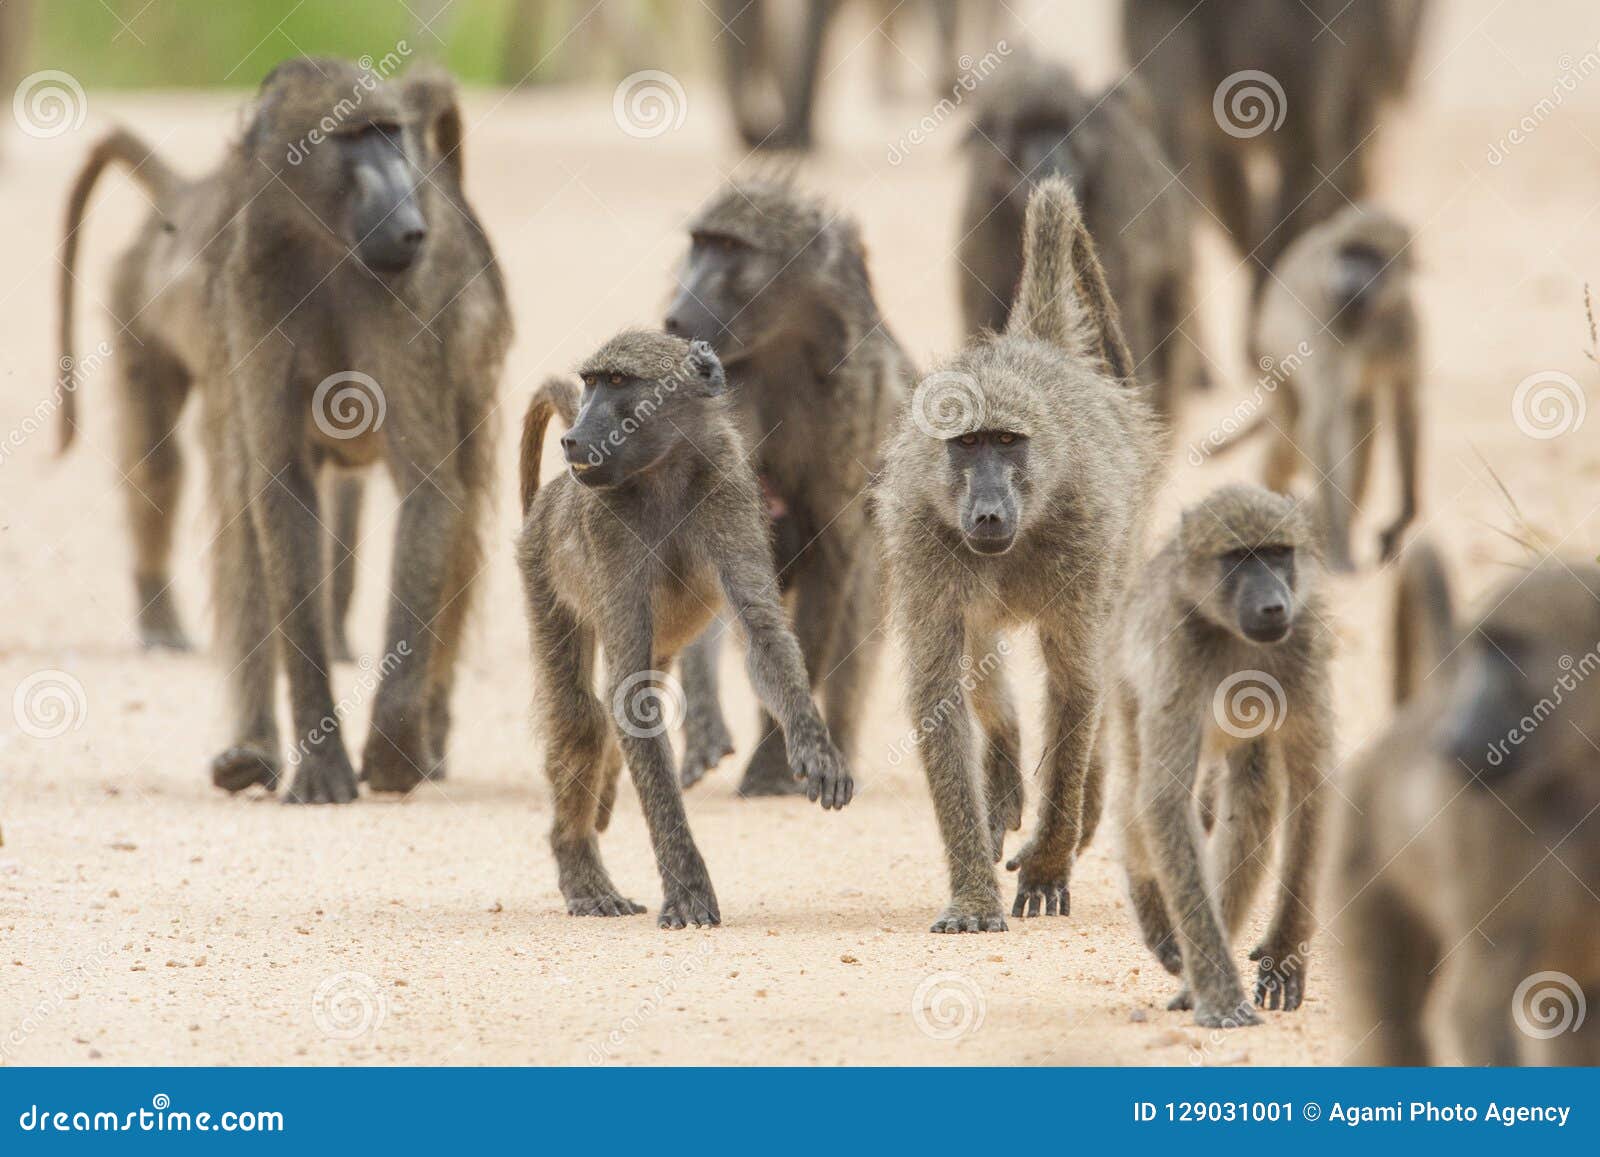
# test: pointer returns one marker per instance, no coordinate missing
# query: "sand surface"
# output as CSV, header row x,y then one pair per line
x,y
147,918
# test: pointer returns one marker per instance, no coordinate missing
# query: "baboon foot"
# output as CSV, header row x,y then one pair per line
x,y
1042,887
606,904
768,772
1280,979
689,904
245,765
960,917
387,766
1169,956
706,743
1225,1013
158,618
324,777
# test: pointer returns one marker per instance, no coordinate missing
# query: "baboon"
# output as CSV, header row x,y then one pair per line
x,y
333,298
1014,492
1468,854
1034,121
777,283
1223,696
1340,311
1296,89
656,523
755,75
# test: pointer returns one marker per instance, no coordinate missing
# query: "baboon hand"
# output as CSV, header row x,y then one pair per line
x,y
705,743
323,776
1042,881
687,903
820,765
1230,1011
1280,978
964,917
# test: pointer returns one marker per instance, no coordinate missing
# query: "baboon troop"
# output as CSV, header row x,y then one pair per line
x,y
776,282
1034,121
1467,857
1014,492
658,521
1225,712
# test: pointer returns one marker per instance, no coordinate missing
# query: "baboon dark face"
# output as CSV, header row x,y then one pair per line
x,y
386,227
1022,150
722,287
1361,275
990,467
1258,585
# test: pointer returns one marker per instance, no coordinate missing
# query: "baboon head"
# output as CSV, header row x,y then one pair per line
x,y
1030,125
350,155
1523,702
1369,263
765,262
1246,557
645,395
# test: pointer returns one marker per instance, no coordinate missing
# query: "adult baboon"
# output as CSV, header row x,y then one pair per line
x,y
777,283
656,523
1015,492
1342,304
1224,664
755,75
333,297
1034,121
1468,856
1296,88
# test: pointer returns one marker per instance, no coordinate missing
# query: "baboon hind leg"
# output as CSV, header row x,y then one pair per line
x,y
1241,843
345,494
152,387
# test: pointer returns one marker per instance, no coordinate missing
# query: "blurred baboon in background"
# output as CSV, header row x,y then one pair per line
x,y
772,94
1033,121
1295,89
1468,856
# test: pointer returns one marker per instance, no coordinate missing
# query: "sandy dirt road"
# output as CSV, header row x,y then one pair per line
x,y
144,917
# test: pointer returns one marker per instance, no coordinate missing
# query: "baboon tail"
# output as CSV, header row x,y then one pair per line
x,y
556,396
1063,298
1424,618
160,183
1243,434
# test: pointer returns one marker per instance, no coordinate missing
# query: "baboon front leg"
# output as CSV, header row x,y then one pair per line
x,y
1406,443
1333,454
1306,749
1389,958
1483,990
1149,906
1072,709
1241,840
151,390
1002,742
345,492
706,739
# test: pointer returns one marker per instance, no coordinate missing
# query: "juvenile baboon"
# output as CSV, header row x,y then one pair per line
x,y
777,283
333,298
1342,302
1227,730
1034,121
656,523
1468,854
1014,493
1295,88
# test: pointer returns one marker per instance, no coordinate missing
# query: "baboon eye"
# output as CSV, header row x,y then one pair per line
x,y
1007,438
616,379
969,439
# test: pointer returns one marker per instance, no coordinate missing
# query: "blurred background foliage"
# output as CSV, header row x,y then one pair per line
x,y
223,43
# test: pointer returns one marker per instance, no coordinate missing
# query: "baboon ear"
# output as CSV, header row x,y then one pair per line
x,y
707,368
431,95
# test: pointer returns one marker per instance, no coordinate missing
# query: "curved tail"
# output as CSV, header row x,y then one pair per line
x,y
1063,297
555,396
160,182
1424,618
